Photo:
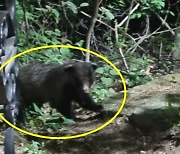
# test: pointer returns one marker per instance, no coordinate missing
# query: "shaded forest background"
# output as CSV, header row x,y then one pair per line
x,y
140,37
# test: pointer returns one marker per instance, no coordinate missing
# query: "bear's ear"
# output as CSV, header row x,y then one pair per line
x,y
69,67
94,65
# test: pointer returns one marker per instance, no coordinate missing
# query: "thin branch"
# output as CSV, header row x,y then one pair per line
x,y
126,18
119,48
65,15
147,36
87,15
165,31
142,38
165,23
160,51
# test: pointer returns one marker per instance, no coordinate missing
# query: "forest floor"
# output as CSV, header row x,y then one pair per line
x,y
120,137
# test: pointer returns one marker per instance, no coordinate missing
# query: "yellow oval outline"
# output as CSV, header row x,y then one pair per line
x,y
77,135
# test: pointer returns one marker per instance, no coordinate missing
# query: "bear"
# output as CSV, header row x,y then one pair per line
x,y
60,85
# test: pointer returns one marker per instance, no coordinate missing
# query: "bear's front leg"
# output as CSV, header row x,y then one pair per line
x,y
66,110
88,103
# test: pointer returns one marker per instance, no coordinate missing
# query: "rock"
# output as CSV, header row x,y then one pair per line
x,y
152,106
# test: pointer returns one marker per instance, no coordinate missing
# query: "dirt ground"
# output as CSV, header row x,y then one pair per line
x,y
120,137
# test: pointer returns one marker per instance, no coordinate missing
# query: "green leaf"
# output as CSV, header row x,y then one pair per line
x,y
37,109
48,7
55,41
72,7
111,91
98,92
80,43
65,51
100,70
49,32
104,91
56,15
171,13
107,12
55,126
113,72
68,121
57,32
84,4
106,81
44,39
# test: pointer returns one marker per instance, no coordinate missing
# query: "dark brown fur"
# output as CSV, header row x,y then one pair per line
x,y
58,84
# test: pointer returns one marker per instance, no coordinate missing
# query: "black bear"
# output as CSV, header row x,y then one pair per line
x,y
60,85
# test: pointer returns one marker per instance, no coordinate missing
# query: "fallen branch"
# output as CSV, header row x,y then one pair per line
x,y
165,23
134,47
